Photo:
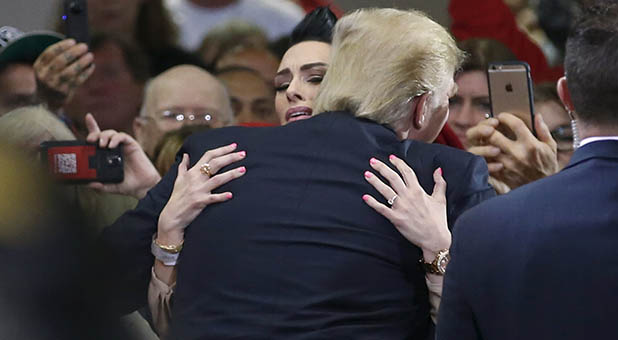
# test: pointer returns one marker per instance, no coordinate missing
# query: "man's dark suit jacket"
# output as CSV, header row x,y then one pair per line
x,y
542,261
297,254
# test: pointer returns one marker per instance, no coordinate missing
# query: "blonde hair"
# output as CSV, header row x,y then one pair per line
x,y
29,126
381,58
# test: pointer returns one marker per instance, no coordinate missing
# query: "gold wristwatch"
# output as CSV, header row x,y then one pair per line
x,y
438,265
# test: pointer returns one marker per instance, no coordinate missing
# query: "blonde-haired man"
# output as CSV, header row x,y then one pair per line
x,y
299,251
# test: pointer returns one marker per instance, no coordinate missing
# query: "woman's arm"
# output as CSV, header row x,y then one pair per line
x,y
419,217
191,194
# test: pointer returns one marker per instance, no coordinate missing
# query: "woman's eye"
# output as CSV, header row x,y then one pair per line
x,y
282,87
315,79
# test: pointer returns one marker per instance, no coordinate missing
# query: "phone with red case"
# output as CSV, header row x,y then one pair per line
x,y
81,162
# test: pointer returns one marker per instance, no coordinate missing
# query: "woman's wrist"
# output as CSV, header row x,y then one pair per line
x,y
431,249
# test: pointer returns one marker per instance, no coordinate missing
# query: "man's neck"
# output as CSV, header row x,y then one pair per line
x,y
587,130
213,3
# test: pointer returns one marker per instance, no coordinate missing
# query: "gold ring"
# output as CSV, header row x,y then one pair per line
x,y
205,169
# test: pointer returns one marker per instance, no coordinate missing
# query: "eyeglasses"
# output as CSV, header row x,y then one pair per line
x,y
196,116
563,135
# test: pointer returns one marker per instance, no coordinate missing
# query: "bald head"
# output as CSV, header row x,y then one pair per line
x,y
181,95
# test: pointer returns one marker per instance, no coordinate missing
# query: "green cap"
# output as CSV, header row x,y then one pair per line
x,y
16,46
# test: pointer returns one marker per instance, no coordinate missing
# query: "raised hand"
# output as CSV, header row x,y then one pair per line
x,y
140,175
60,69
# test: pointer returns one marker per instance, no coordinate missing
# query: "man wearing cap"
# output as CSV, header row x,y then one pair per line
x,y
58,66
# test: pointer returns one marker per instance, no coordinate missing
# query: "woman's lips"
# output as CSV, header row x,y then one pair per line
x,y
298,113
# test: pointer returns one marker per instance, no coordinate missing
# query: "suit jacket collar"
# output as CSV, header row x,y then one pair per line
x,y
600,149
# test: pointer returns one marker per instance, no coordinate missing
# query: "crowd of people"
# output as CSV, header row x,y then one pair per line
x,y
294,172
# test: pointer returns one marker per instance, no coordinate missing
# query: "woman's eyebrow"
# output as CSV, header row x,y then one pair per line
x,y
284,71
312,65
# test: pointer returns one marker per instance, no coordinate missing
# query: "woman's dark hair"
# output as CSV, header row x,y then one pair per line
x,y
480,52
316,26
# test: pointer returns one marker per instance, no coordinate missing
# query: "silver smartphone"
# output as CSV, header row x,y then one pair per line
x,y
510,90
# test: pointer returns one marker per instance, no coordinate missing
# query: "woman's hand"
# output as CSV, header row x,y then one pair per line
x,y
60,69
515,162
139,173
419,217
193,191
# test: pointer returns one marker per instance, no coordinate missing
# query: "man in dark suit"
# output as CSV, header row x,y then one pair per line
x,y
542,261
297,254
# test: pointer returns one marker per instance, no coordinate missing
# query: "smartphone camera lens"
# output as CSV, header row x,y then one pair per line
x,y
75,7
114,160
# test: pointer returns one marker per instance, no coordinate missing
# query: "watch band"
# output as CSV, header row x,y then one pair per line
x,y
166,254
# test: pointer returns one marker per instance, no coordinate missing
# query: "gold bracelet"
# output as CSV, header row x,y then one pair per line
x,y
172,249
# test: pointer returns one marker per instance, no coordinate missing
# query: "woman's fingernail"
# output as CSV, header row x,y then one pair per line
x,y
440,170
234,145
229,195
365,198
391,157
242,170
373,161
368,174
242,153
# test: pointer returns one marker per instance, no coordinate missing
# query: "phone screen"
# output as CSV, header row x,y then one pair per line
x,y
510,90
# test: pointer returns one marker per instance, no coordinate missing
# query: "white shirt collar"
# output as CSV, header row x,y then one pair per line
x,y
597,139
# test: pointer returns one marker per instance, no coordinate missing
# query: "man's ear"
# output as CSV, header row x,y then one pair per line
x,y
420,114
564,94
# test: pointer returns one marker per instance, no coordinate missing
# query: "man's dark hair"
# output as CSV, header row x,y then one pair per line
x,y
591,64
316,26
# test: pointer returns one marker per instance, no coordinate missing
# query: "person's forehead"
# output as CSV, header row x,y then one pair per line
x,y
246,83
305,53
189,92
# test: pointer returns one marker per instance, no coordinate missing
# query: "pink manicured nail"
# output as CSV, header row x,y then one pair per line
x,y
242,153
440,169
242,170
391,157
365,198
368,174
373,161
229,195
234,145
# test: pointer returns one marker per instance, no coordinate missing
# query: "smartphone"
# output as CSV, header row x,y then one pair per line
x,y
81,162
76,20
510,90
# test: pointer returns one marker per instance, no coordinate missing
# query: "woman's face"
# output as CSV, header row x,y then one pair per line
x,y
114,16
470,105
298,79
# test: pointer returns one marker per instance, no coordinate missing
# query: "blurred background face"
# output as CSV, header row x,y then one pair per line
x,y
111,94
17,86
559,124
114,16
251,97
182,98
470,105
258,59
298,80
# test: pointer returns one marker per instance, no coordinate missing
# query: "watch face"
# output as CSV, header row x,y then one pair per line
x,y
442,262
